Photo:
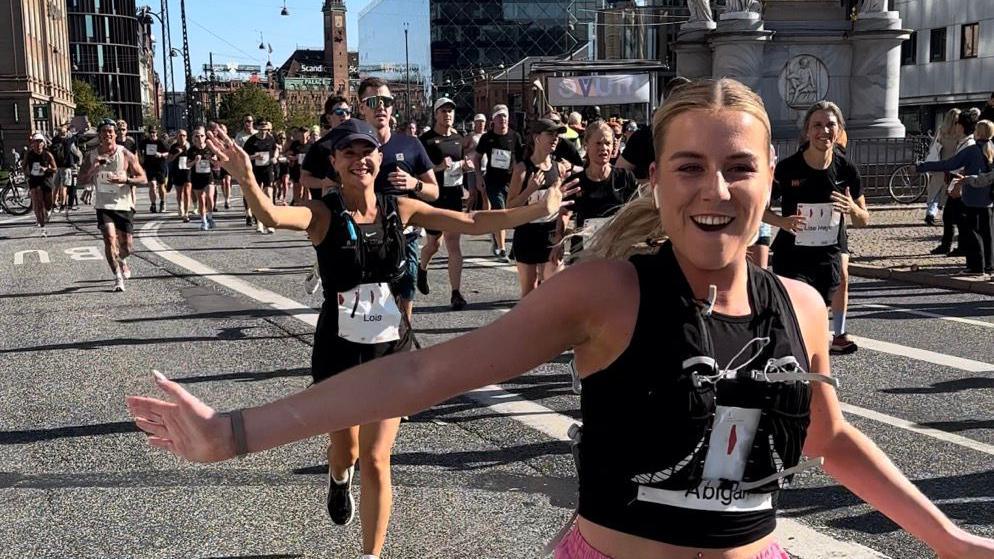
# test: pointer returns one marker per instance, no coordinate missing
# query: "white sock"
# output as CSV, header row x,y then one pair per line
x,y
839,323
342,481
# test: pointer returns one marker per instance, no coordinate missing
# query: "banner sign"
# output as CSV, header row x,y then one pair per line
x,y
234,68
617,89
307,83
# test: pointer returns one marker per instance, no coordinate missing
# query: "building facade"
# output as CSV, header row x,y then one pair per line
x,y
948,62
305,83
468,36
151,91
106,52
382,47
35,79
640,29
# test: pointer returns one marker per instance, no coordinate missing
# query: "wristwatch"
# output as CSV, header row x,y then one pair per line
x,y
419,186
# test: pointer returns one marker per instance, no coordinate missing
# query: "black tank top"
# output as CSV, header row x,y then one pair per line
x,y
647,428
42,160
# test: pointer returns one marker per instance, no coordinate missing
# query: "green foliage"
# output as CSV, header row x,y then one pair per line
x,y
250,99
300,118
88,102
149,123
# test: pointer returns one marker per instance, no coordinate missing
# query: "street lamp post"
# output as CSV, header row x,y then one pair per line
x,y
167,53
407,65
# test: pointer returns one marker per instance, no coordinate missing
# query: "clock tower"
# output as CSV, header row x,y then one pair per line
x,y
336,55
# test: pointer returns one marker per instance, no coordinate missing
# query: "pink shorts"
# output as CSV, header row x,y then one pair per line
x,y
574,546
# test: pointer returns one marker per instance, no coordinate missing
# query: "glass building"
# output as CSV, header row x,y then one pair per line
x,y
472,35
382,47
104,50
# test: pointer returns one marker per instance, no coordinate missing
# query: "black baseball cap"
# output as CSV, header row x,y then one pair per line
x,y
541,125
350,131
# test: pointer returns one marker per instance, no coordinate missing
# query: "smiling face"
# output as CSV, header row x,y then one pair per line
x,y
357,164
108,136
712,182
823,130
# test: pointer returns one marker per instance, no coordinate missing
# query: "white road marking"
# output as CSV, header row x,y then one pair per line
x,y
889,308
937,358
800,540
916,428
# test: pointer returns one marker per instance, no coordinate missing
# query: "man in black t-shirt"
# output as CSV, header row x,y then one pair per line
x,y
153,152
447,150
503,148
263,151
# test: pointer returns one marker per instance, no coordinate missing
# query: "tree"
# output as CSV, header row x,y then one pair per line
x,y
300,118
88,102
250,99
150,122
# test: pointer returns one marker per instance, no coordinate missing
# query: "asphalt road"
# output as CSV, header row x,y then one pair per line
x,y
77,480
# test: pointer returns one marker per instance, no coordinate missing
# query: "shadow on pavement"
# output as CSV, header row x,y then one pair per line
x,y
71,431
245,376
975,493
958,385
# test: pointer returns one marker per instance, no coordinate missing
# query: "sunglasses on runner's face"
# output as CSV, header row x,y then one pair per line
x,y
342,111
374,101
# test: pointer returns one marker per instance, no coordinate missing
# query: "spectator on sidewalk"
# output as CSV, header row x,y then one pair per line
x,y
972,159
978,197
947,139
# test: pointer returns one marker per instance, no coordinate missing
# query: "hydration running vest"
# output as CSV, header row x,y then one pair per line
x,y
348,258
679,448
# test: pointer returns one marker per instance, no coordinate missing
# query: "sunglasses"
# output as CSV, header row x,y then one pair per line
x,y
374,101
343,112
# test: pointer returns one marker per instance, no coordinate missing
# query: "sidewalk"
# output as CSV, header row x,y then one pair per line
x,y
896,246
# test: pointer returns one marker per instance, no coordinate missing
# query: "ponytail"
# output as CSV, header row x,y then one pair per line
x,y
985,131
635,228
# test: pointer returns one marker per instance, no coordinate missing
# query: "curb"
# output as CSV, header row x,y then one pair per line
x,y
922,278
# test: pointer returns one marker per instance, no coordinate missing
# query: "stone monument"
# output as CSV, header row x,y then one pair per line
x,y
797,52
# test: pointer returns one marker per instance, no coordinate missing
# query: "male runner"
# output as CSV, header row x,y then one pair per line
x,y
502,147
114,171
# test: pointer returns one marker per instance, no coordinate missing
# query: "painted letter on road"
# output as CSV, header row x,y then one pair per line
x,y
42,256
85,253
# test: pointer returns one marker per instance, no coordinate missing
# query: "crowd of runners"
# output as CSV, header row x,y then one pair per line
x,y
666,237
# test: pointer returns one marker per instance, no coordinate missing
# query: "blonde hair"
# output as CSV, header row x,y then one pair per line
x,y
594,127
822,106
637,227
985,131
949,121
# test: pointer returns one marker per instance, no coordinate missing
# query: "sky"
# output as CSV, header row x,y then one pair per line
x,y
230,29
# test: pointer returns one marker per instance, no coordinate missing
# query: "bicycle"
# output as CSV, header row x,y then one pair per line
x,y
907,185
14,196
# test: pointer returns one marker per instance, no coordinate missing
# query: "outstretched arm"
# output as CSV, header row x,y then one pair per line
x,y
295,218
857,463
560,314
419,213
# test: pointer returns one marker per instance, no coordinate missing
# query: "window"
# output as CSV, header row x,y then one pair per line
x,y
969,39
909,50
937,45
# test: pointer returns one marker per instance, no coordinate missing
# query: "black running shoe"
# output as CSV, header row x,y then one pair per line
x,y
341,505
458,303
423,281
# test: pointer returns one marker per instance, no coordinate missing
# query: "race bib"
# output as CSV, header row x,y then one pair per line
x,y
710,496
732,433
281,159
36,170
151,149
203,166
263,159
500,159
453,176
368,314
821,226
104,185
181,164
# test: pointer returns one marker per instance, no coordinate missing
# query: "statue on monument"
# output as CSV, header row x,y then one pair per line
x,y
870,6
700,10
732,6
802,86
